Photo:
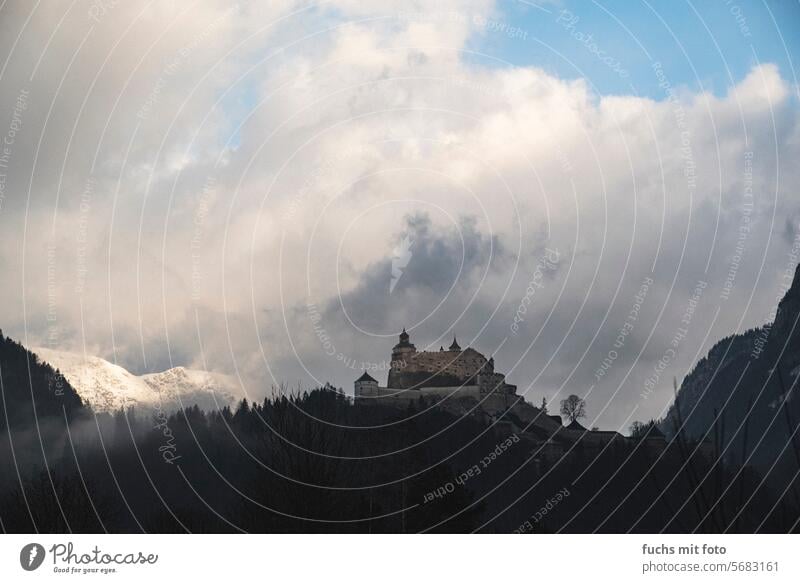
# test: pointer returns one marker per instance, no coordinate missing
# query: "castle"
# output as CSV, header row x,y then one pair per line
x,y
465,382
436,375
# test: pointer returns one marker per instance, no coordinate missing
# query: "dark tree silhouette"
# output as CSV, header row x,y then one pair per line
x,y
573,408
318,462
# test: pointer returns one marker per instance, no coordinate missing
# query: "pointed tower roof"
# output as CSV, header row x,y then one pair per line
x,y
454,345
365,378
404,340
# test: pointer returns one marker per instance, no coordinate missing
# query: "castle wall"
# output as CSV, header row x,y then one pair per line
x,y
491,401
458,363
455,391
413,369
495,382
373,394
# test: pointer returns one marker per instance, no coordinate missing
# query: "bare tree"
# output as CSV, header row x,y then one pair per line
x,y
573,408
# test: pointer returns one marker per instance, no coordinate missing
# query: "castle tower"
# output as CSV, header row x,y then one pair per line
x,y
403,350
365,386
454,346
402,355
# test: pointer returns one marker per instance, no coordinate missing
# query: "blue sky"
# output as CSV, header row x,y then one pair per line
x,y
710,44
703,45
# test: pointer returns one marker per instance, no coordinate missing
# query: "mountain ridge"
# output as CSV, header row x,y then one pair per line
x,y
107,387
741,393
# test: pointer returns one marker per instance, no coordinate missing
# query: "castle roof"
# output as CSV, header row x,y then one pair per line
x,y
575,426
404,340
365,378
454,345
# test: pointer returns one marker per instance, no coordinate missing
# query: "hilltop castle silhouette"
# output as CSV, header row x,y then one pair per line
x,y
465,382
438,374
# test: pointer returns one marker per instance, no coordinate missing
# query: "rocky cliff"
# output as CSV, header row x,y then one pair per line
x,y
744,390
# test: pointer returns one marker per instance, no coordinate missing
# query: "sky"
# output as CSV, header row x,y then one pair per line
x,y
594,193
703,46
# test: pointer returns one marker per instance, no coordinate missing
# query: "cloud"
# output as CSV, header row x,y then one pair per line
x,y
444,265
224,187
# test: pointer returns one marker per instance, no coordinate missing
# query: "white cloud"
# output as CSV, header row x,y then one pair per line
x,y
346,134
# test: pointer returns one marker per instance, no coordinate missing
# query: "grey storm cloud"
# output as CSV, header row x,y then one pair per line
x,y
443,265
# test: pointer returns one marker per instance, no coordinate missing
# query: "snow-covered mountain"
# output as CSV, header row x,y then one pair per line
x,y
107,387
